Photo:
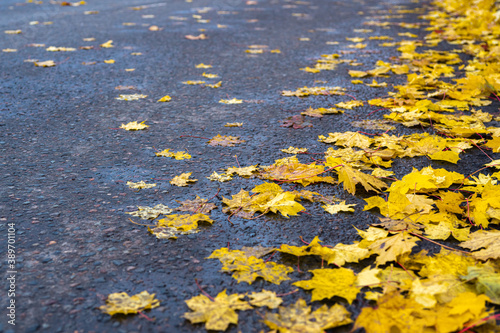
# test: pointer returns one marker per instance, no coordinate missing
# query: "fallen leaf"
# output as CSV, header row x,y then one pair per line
x,y
124,304
216,314
183,179
224,141
199,37
140,185
134,125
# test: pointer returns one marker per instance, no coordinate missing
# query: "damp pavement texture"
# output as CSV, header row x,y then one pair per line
x,y
65,164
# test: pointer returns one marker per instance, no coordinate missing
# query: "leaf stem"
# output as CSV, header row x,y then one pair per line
x,y
430,240
203,291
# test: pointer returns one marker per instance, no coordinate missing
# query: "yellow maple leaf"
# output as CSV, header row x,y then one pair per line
x,y
140,185
349,105
340,207
393,312
47,63
350,177
134,126
292,150
165,98
489,240
193,82
376,84
216,85
242,172
224,141
265,298
60,49
108,44
219,177
124,304
210,76
327,283
249,268
202,65
388,249
13,32
231,101
233,125
183,222
299,317
145,212
216,314
131,97
347,139
183,179
178,155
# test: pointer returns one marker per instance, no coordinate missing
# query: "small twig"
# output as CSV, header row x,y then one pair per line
x,y
430,240
289,293
407,272
298,265
480,321
236,156
203,291
144,316
271,256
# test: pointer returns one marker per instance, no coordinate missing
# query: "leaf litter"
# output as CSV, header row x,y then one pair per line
x,y
445,292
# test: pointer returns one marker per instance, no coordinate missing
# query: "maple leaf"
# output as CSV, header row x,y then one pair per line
x,y
327,283
216,314
347,139
131,97
47,63
292,150
290,169
265,298
248,268
233,125
242,172
388,249
202,65
231,101
299,318
140,185
183,222
215,85
349,105
393,313
13,32
178,155
295,122
489,240
219,178
183,179
197,205
60,49
224,141
145,212
487,281
134,126
340,207
199,37
210,76
125,304
108,44
165,98
350,177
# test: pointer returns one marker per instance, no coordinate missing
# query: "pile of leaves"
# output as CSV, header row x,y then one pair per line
x,y
404,289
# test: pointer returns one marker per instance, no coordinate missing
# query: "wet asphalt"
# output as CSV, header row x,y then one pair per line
x,y
65,164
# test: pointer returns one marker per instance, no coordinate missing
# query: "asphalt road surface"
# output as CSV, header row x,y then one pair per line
x,y
65,164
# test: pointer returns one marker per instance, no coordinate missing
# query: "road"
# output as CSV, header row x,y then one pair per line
x,y
66,163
